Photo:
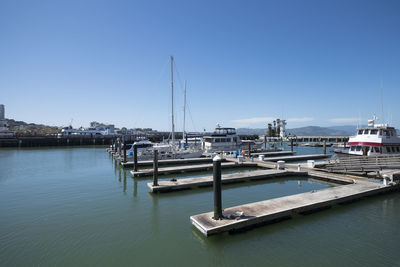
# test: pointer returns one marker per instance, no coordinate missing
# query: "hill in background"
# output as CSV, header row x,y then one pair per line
x,y
346,130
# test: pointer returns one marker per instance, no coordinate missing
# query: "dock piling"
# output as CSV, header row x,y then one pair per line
x,y
291,145
324,148
124,151
217,188
135,164
155,168
249,150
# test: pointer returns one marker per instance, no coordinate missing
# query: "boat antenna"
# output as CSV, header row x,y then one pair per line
x,y
184,113
383,116
172,103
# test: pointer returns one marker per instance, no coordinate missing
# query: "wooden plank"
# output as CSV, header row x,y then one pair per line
x,y
144,163
167,186
270,154
180,169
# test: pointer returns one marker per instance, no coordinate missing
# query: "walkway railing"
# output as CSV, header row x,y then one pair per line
x,y
364,163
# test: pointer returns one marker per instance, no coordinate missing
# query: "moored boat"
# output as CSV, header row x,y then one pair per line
x,y
375,139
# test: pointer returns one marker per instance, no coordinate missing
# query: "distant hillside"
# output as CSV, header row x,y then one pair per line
x,y
306,131
347,128
248,131
319,131
23,127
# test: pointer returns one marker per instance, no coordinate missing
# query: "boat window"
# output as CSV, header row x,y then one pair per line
x,y
360,131
352,148
397,149
388,149
385,132
366,131
217,140
380,132
358,148
374,131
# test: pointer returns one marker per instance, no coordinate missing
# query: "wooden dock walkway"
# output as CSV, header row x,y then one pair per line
x,y
271,154
299,157
144,163
168,186
190,168
258,213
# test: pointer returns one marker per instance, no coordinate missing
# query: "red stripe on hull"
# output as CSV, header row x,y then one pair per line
x,y
363,144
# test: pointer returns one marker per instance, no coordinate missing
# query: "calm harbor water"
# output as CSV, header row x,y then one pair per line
x,y
74,207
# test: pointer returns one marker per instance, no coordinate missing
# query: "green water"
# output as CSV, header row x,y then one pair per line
x,y
74,207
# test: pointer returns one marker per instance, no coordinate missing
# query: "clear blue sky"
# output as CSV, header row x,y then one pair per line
x,y
311,62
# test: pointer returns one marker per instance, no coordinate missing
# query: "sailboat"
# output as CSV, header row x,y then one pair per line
x,y
172,149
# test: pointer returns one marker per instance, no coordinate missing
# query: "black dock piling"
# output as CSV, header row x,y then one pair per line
x,y
135,165
217,188
291,145
324,148
124,151
249,150
155,168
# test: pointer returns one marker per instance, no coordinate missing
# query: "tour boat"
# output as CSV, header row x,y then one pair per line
x,y
226,139
376,139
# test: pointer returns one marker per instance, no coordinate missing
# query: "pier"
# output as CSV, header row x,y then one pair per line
x,y
271,154
255,214
168,162
298,158
180,184
190,168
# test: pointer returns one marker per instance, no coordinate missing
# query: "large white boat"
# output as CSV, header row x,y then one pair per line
x,y
222,139
376,139
225,139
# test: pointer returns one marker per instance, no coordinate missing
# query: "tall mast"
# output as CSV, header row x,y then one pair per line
x,y
172,101
184,113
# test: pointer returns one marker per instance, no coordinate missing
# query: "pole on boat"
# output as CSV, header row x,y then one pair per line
x,y
249,149
172,106
184,137
155,168
324,148
217,188
135,158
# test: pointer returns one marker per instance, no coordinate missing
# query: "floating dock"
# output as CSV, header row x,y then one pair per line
x,y
272,154
181,184
263,212
299,157
144,163
190,168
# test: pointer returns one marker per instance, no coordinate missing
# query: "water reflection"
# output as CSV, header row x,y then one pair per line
x,y
135,187
155,214
125,181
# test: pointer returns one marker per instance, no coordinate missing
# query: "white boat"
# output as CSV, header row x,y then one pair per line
x,y
225,139
376,139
